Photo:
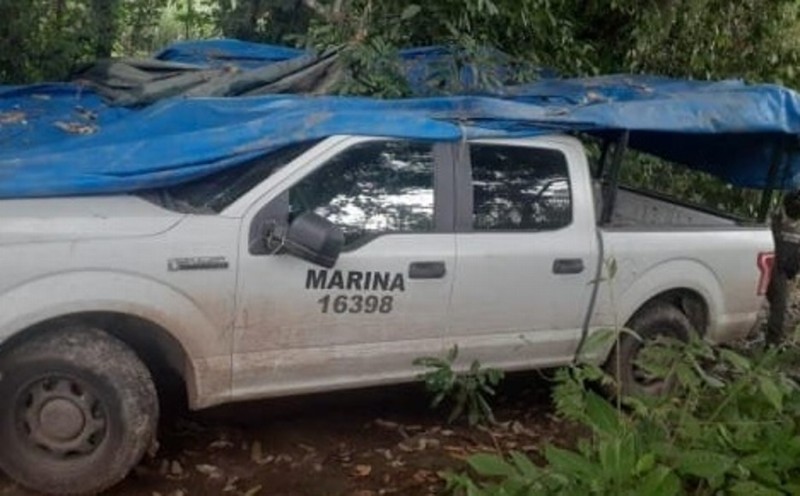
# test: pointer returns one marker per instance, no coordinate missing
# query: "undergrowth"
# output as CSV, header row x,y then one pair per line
x,y
729,426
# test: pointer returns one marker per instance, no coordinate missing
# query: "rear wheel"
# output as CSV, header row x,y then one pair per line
x,y
79,411
659,319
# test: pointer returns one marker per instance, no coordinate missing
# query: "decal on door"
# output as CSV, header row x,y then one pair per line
x,y
324,280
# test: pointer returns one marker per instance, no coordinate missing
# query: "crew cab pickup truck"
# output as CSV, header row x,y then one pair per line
x,y
334,264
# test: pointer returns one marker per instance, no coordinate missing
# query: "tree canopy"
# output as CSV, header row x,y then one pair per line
x,y
758,40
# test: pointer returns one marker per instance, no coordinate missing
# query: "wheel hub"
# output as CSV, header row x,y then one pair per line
x,y
61,417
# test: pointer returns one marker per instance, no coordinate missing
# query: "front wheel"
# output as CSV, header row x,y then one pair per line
x,y
660,319
79,411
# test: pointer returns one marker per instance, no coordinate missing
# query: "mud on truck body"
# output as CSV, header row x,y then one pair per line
x,y
333,264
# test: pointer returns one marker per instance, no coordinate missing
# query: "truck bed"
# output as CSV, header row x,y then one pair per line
x,y
643,210
638,209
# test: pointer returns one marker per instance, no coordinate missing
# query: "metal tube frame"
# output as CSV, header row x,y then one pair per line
x,y
778,160
611,182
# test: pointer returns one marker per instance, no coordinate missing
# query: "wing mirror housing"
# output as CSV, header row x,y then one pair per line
x,y
314,239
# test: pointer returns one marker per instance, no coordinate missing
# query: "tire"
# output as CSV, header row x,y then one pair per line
x,y
79,411
658,319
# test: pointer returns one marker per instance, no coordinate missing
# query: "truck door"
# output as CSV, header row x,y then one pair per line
x,y
302,327
525,249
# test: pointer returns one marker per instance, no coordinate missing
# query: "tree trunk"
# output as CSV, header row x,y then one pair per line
x,y
105,26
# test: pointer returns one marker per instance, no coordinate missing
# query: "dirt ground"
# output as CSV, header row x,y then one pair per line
x,y
371,442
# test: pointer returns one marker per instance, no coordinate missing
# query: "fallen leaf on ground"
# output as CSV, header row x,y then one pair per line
x,y
220,444
387,453
419,444
362,470
257,454
422,476
230,486
211,471
253,491
386,424
519,429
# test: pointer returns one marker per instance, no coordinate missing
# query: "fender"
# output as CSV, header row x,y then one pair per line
x,y
208,348
637,288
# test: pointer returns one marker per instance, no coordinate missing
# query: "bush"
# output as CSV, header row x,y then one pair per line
x,y
730,427
466,391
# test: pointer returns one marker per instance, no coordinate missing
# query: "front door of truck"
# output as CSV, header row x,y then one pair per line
x,y
302,327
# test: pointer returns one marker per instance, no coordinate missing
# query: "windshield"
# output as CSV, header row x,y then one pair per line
x,y
213,193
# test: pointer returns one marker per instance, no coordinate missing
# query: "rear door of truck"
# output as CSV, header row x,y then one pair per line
x,y
526,251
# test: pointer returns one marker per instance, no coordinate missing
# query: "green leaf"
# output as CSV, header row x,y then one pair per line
x,y
611,266
660,482
457,482
602,415
568,462
735,359
771,391
598,341
485,409
429,362
459,405
437,400
489,465
609,453
475,367
524,465
452,354
410,12
704,464
753,488
710,380
630,332
645,463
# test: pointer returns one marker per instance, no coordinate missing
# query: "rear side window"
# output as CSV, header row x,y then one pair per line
x,y
519,188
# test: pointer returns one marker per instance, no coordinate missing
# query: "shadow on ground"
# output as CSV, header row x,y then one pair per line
x,y
366,442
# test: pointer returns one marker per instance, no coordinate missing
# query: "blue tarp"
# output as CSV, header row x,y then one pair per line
x,y
215,53
64,140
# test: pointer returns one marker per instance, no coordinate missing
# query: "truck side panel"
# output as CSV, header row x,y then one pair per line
x,y
718,264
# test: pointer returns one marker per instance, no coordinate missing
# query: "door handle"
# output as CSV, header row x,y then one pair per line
x,y
426,270
567,266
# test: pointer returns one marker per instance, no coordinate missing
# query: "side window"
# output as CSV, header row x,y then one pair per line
x,y
372,188
519,188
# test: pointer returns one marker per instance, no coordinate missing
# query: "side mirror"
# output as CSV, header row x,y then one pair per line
x,y
315,239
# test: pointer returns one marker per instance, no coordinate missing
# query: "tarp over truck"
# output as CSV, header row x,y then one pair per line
x,y
67,139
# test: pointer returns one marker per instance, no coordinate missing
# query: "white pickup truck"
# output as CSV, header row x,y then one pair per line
x,y
329,265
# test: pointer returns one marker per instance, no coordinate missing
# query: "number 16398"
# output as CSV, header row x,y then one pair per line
x,y
356,304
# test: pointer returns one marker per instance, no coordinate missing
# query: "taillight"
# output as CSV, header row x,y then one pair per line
x,y
765,262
